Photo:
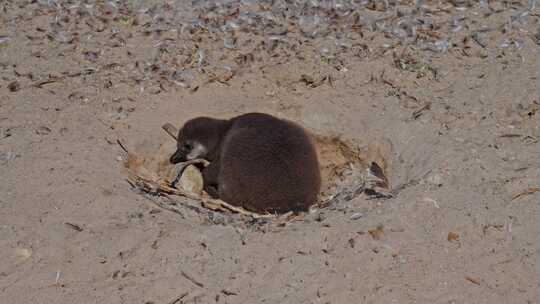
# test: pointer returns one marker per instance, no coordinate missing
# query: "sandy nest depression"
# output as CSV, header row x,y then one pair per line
x,y
347,170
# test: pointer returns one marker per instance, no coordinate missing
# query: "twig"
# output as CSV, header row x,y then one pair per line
x,y
196,161
190,278
153,186
122,146
161,186
526,192
472,280
216,204
179,298
171,130
476,38
74,226
39,84
510,135
420,111
228,292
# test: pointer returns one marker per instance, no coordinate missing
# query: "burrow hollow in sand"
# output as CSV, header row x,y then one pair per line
x,y
347,170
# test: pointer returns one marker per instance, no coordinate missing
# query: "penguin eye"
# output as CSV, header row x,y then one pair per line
x,y
188,146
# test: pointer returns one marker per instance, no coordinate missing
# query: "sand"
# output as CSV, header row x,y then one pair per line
x,y
463,126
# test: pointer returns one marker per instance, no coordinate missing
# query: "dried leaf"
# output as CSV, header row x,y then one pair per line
x,y
452,237
377,233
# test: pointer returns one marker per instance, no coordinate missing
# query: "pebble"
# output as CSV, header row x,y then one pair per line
x,y
8,156
191,180
23,253
319,217
357,216
217,218
43,130
435,179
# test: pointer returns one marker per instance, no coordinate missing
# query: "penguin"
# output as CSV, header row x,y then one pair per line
x,y
257,161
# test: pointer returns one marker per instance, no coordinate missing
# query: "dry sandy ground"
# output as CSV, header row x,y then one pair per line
x,y
465,142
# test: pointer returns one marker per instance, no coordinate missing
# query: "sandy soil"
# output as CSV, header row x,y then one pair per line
x,y
464,127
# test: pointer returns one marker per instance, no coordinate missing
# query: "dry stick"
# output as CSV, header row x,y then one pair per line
x,y
228,292
472,280
179,299
153,186
420,111
171,130
39,84
122,146
190,278
74,226
526,192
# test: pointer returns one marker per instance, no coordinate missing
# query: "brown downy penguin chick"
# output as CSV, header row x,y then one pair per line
x,y
257,161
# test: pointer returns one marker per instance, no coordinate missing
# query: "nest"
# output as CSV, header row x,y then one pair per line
x,y
347,171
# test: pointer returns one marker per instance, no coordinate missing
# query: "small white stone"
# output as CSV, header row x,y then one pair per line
x,y
191,180
357,216
23,253
435,179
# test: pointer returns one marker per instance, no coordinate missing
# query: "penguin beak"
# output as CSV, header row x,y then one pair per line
x,y
177,157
